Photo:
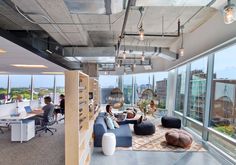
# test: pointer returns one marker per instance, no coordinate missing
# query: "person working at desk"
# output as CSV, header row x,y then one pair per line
x,y
61,108
42,114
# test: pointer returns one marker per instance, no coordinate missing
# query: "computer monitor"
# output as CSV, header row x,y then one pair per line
x,y
28,109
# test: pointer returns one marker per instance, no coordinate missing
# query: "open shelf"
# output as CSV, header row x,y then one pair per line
x,y
78,127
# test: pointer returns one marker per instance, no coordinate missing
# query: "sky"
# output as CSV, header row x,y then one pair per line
x,y
25,81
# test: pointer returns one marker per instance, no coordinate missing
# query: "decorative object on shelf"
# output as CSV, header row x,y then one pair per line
x,y
116,98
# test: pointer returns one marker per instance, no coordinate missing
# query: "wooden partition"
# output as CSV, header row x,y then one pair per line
x,y
78,125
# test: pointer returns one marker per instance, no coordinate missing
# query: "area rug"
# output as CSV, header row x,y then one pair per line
x,y
157,142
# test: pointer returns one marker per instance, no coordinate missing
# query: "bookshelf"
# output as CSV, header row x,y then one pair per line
x,y
94,102
78,126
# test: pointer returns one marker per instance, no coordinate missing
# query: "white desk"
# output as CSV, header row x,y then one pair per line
x,y
16,119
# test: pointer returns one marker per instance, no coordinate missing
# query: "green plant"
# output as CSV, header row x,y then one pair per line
x,y
229,130
143,105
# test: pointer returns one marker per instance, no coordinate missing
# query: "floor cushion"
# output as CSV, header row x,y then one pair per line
x,y
179,138
170,122
144,128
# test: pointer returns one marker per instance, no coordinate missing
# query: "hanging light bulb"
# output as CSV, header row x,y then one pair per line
x,y
181,49
142,57
134,65
124,55
229,13
141,33
118,65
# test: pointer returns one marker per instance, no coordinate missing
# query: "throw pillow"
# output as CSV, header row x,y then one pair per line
x,y
116,124
109,123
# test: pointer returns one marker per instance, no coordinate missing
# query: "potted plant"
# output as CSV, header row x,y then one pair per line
x,y
143,106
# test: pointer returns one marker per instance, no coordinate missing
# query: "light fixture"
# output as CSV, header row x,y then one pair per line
x,y
141,32
105,73
229,13
143,57
47,50
2,51
140,24
124,55
118,65
181,49
28,66
134,65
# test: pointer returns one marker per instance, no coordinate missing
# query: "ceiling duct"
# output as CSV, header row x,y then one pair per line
x,y
172,3
167,54
94,6
90,54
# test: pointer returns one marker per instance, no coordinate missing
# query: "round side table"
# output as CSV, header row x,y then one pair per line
x,y
108,143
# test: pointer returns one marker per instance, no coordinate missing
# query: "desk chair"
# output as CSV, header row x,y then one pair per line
x,y
63,113
46,121
1,130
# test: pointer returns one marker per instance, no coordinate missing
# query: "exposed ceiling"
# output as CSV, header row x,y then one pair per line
x,y
98,23
17,55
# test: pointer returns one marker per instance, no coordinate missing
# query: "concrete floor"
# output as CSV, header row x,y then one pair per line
x,y
153,158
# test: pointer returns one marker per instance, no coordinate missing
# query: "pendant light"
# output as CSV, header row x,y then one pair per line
x,y
141,32
181,49
124,52
143,57
229,13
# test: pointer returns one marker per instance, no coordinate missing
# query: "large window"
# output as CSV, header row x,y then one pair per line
x,y
43,86
160,88
20,87
3,88
197,89
223,112
107,83
143,81
127,89
60,87
180,89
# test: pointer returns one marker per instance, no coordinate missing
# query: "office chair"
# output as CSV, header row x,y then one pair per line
x,y
1,130
63,113
46,121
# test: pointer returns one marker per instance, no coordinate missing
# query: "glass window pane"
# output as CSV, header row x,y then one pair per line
x,y
20,87
143,81
3,88
223,112
180,89
107,83
161,88
127,89
197,89
43,86
60,87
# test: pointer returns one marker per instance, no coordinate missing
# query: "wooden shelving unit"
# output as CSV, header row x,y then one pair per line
x,y
94,103
78,126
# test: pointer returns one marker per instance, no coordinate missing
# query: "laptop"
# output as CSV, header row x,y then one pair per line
x,y
28,109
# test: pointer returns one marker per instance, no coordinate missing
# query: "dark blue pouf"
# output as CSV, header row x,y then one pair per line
x,y
170,122
144,128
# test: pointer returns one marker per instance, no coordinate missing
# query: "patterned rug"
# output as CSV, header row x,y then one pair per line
x,y
157,142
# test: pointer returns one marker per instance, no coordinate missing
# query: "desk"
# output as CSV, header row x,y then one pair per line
x,y
16,119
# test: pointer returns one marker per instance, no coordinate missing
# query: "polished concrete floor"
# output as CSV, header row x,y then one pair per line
x,y
153,158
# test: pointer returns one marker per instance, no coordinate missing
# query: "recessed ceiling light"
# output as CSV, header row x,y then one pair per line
x,y
60,73
2,51
28,66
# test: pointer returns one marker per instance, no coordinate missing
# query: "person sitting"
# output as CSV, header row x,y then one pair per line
x,y
46,110
61,108
121,122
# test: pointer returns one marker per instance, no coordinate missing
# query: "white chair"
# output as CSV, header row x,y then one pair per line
x,y
108,143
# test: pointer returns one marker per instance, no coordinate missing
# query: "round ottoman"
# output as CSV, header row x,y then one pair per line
x,y
179,138
170,122
144,128
108,143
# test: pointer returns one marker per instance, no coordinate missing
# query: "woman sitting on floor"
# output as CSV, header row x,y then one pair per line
x,y
121,122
